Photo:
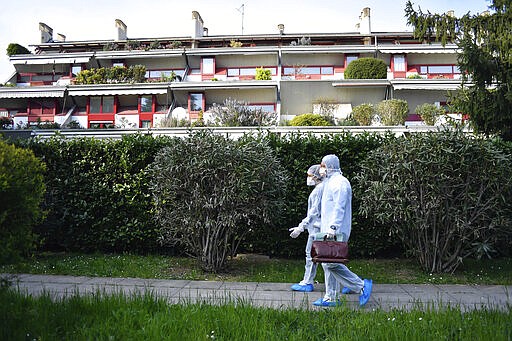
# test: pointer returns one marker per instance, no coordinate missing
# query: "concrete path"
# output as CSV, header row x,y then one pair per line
x,y
275,295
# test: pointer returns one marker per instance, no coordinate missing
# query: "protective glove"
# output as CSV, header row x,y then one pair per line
x,y
296,231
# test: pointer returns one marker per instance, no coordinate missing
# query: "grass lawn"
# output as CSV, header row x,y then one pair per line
x,y
254,269
145,317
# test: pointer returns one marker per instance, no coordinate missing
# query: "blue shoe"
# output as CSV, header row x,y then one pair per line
x,y
366,292
303,288
346,291
324,303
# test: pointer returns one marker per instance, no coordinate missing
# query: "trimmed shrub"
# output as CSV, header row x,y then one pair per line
x,y
429,113
366,68
444,194
14,49
21,193
309,120
210,191
393,112
98,197
364,114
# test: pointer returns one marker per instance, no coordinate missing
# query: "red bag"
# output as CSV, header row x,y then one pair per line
x,y
329,251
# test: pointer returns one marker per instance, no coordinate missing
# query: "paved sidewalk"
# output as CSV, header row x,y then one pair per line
x,y
275,295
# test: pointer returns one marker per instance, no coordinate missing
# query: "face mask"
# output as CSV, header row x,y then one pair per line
x,y
310,181
322,171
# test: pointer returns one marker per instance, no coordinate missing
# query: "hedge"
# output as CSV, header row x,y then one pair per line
x,y
98,197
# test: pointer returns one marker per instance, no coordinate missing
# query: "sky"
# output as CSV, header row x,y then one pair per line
x,y
82,20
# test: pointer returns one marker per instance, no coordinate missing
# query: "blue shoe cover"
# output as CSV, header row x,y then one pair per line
x,y
304,288
318,301
324,303
346,291
367,291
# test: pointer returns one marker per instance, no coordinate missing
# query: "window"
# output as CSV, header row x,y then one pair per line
x,y
249,71
233,72
75,69
264,107
39,78
308,70
327,70
208,66
158,74
349,58
108,104
101,104
145,124
399,63
95,105
101,125
288,71
146,103
117,62
439,69
196,102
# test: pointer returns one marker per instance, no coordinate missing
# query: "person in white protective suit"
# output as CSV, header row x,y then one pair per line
x,y
312,224
336,220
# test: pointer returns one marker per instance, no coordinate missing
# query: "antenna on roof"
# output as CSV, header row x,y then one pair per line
x,y
241,9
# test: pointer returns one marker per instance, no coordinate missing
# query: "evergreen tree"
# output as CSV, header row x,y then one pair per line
x,y
485,41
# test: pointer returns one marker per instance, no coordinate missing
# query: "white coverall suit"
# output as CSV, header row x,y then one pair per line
x,y
336,218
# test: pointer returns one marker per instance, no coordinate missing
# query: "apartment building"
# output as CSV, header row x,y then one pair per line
x,y
186,76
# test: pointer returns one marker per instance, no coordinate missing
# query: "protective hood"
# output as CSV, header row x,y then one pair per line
x,y
332,163
315,171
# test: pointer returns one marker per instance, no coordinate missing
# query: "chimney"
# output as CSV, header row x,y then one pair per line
x,y
280,27
197,22
60,37
364,21
121,30
46,33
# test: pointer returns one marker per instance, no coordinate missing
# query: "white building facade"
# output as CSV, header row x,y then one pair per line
x,y
307,70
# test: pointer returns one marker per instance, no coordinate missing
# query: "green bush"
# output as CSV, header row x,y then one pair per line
x,y
14,49
366,68
393,112
445,195
210,191
98,196
116,74
429,113
21,191
364,114
310,120
263,74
